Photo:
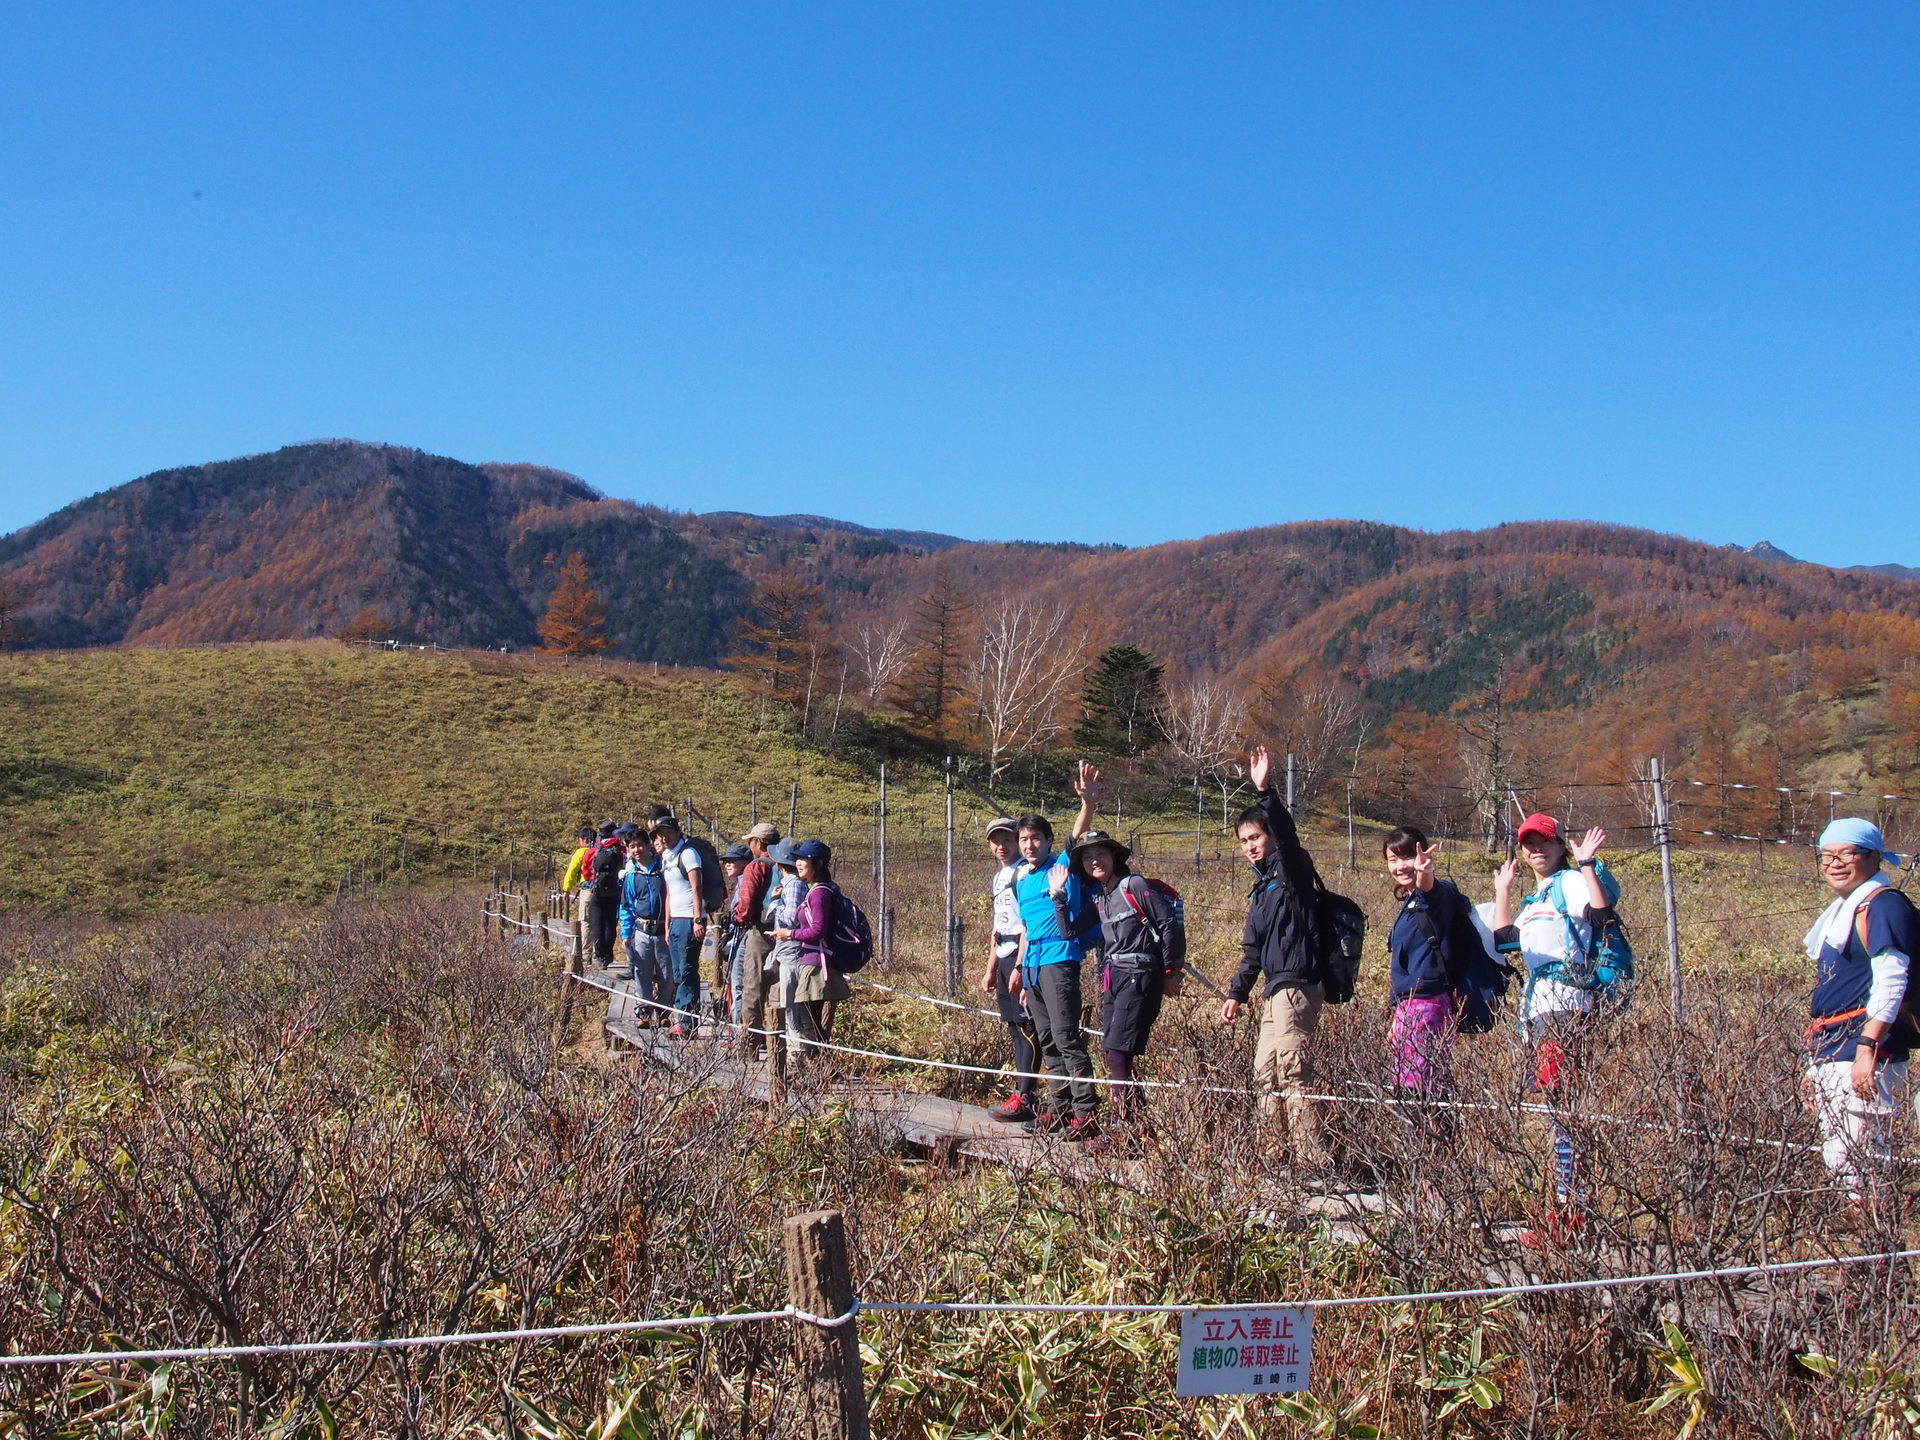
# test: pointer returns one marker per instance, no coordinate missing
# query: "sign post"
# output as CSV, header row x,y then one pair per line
x,y
1266,1350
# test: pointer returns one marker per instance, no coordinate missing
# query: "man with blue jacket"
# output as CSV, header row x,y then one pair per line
x,y
1055,916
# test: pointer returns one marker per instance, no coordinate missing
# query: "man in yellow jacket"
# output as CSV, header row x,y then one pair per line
x,y
574,883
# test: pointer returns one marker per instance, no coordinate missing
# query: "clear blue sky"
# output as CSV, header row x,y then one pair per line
x,y
1100,271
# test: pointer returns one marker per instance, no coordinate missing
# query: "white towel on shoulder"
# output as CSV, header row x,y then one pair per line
x,y
1837,919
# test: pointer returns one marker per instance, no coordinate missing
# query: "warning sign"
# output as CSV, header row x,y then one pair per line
x,y
1242,1352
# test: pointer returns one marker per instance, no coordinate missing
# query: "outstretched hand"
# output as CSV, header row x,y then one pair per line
x,y
1424,867
1588,845
1087,783
1260,768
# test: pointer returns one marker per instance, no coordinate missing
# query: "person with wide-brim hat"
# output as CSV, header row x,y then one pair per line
x,y
1142,950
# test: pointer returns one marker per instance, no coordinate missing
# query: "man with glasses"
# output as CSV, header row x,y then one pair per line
x,y
1862,947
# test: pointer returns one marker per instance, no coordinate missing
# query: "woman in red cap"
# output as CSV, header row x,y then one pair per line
x,y
1552,930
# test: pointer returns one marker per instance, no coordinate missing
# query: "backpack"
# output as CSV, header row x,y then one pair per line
x,y
713,885
1480,978
1343,937
1906,1025
1603,967
604,865
849,936
1171,942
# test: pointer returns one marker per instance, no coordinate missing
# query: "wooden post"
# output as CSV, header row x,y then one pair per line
x,y
1663,836
831,1394
777,1062
793,806
546,935
1290,769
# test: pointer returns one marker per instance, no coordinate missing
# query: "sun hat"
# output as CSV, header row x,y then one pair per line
x,y
782,853
1076,851
738,853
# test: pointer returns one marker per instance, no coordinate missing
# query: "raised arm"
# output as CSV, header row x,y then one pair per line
x,y
1087,786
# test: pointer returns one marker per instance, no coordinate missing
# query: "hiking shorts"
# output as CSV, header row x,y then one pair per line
x,y
1130,1000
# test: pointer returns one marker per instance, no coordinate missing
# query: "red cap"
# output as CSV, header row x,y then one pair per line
x,y
1537,824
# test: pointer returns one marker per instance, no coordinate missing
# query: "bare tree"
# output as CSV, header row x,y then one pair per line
x,y
1204,721
882,652
1022,677
1319,725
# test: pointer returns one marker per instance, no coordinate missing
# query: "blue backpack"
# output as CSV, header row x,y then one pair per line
x,y
1480,979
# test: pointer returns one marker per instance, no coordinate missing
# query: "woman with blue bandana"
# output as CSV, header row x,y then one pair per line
x,y
1863,946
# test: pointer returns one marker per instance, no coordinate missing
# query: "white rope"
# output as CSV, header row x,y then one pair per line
x,y
415,1342
1545,1287
929,999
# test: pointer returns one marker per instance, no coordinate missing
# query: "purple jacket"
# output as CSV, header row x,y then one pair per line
x,y
813,923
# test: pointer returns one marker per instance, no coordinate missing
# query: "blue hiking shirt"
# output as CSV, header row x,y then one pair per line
x,y
1045,944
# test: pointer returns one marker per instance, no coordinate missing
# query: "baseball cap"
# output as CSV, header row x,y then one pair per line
x,y
765,831
1002,822
738,853
813,850
1544,826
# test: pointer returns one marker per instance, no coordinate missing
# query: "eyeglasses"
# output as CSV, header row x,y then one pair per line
x,y
1849,858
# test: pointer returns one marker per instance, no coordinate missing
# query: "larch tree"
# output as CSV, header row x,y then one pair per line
x,y
576,622
930,684
780,645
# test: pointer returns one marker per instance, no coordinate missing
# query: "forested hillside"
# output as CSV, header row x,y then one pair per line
x,y
1477,663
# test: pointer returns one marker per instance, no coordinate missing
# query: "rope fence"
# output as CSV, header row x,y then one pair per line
x,y
946,1307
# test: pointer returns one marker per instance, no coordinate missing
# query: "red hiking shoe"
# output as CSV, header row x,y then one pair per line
x,y
1013,1109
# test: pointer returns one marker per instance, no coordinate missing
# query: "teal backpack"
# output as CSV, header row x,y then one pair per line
x,y
1603,967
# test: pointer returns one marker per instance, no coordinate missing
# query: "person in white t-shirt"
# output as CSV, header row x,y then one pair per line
x,y
686,918
1003,956
1573,892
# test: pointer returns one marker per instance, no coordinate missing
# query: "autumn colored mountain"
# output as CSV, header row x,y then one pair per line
x,y
1622,638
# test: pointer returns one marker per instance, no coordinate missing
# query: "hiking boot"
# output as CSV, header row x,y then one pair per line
x,y
1080,1128
1557,1228
1013,1109
1047,1122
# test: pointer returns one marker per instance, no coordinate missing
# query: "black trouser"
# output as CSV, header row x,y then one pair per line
x,y
1026,1055
1053,999
603,925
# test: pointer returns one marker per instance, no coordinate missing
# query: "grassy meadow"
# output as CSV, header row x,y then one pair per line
x,y
229,1116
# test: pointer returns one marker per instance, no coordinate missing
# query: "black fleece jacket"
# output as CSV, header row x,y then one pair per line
x,y
1281,939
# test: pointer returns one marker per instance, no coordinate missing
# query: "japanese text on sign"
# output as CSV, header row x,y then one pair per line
x,y
1243,1352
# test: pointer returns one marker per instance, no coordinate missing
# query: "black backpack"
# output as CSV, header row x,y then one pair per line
x,y
713,885
1342,927
604,866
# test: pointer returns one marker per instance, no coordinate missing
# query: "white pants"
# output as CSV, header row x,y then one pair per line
x,y
1855,1132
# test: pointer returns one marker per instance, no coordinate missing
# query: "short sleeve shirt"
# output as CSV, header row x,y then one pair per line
x,y
1547,937
680,865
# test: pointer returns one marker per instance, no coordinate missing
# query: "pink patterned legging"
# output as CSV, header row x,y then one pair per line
x,y
1421,1042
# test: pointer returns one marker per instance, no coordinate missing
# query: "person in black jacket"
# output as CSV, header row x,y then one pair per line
x,y
1432,937
1280,950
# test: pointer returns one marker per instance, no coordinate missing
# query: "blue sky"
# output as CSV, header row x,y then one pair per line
x,y
1110,272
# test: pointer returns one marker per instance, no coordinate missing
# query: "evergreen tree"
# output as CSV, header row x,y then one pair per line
x,y
1121,708
576,621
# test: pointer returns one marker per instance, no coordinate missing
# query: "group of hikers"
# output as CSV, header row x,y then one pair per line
x,y
1552,925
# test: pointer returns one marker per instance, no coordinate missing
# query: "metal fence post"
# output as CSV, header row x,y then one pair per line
x,y
1663,834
